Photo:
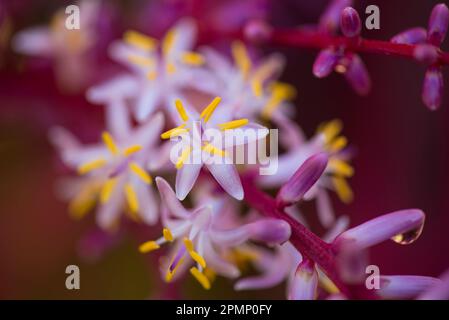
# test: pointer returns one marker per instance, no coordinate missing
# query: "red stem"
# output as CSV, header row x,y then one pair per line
x,y
317,40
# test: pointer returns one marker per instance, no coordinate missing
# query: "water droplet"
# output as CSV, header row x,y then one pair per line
x,y
409,236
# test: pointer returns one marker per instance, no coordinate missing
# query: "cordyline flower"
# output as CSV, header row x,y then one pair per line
x,y
68,48
251,89
338,169
162,70
203,142
114,170
199,236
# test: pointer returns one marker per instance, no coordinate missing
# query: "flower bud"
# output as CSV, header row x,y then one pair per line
x,y
432,90
410,36
350,23
438,22
325,63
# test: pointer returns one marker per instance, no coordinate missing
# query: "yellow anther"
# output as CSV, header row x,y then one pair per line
x,y
133,149
169,275
343,189
331,129
198,258
233,124
338,144
279,92
241,57
209,148
148,246
131,198
141,61
184,156
89,166
201,278
84,200
174,132
106,190
210,274
256,87
140,40
169,41
182,112
188,244
170,68
167,235
207,112
341,167
140,172
328,285
192,58
110,144
152,75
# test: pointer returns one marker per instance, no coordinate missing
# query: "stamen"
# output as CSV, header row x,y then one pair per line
x,y
209,148
182,112
198,258
167,234
148,246
107,189
133,149
192,58
207,112
131,198
110,144
341,167
174,132
152,75
188,244
338,144
140,40
241,57
141,173
184,155
331,129
210,274
201,278
87,167
280,92
84,201
170,273
343,189
233,124
256,87
141,61
168,42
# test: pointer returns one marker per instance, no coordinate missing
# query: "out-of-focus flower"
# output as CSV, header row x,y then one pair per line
x,y
201,148
198,234
327,140
114,171
162,70
438,291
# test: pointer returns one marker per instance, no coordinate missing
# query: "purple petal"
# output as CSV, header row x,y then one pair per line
x,y
228,178
357,75
148,209
350,23
438,22
439,291
185,179
325,63
405,287
402,226
330,19
432,90
305,282
325,211
302,180
169,199
34,41
410,36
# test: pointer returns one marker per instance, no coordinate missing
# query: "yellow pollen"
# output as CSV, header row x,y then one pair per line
x,y
341,167
202,279
338,144
241,57
87,167
174,132
133,149
140,40
169,41
167,234
169,275
84,201
148,246
233,124
256,87
192,58
141,61
152,75
343,189
170,68
207,112
209,148
106,190
198,258
131,198
110,144
188,243
279,92
331,129
184,155
141,173
182,112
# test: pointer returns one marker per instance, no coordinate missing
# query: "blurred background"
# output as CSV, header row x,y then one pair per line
x,y
402,149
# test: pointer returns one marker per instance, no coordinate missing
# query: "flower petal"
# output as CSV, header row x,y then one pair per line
x,y
305,282
185,179
228,178
405,287
169,199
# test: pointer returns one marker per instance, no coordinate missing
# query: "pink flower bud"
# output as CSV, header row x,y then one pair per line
x,y
426,53
302,180
438,23
257,31
305,282
350,23
357,75
325,63
432,90
330,19
410,36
